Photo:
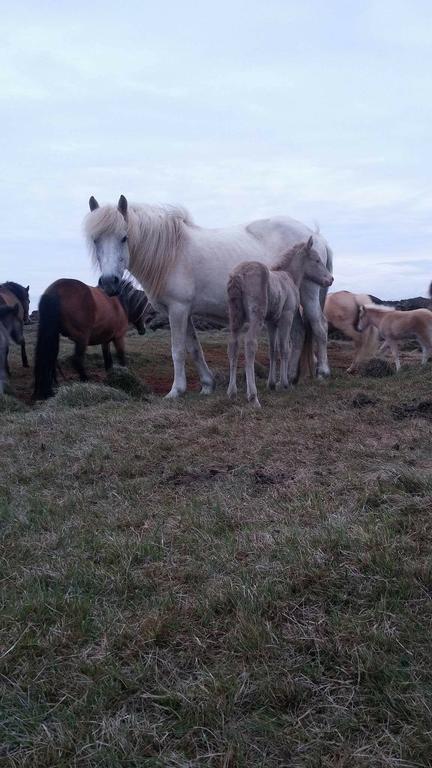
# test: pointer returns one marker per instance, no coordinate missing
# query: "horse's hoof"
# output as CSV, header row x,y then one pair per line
x,y
207,389
232,394
255,403
271,386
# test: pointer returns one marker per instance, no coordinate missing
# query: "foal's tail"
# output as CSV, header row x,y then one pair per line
x,y
47,346
236,309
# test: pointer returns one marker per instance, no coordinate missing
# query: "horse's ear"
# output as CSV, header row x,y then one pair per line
x,y
93,203
309,243
28,288
122,205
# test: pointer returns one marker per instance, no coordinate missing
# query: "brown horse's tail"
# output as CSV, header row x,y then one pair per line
x,y
307,362
236,309
47,346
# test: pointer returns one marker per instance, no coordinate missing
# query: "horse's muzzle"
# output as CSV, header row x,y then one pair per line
x,y
110,284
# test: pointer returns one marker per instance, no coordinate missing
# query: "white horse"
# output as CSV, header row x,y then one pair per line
x,y
184,270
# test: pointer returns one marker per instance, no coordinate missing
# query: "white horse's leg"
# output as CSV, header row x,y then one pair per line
x,y
178,317
310,299
194,347
251,345
273,349
233,351
297,341
284,333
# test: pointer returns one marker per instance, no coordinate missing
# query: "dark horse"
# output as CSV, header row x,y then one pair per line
x,y
87,316
11,327
11,295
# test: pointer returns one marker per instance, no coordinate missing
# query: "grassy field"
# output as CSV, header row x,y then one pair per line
x,y
196,583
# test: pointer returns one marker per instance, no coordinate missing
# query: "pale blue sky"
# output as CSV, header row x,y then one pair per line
x,y
236,109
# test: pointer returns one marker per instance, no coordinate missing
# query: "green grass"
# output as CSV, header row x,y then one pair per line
x,y
200,584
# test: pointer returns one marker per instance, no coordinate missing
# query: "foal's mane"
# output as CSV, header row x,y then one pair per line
x,y
18,290
379,308
285,260
154,235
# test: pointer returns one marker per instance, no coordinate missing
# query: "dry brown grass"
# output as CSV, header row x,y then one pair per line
x,y
200,584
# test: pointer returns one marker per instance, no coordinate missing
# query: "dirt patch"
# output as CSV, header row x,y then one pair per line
x,y
361,400
422,409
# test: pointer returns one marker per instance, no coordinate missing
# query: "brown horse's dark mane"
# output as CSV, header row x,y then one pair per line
x,y
133,300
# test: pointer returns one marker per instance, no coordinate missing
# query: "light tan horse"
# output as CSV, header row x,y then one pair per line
x,y
342,312
394,325
258,294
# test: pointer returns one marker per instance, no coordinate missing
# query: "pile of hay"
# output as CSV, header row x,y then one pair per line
x,y
81,394
376,368
124,380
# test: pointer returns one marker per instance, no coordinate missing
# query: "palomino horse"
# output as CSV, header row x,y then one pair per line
x,y
87,316
12,294
184,270
11,327
258,294
394,325
342,312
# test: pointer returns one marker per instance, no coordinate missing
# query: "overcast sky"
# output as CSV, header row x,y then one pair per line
x,y
236,109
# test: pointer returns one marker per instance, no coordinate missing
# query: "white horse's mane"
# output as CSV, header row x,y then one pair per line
x,y
154,235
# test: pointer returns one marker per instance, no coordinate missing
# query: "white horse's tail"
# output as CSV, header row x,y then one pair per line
x,y
236,308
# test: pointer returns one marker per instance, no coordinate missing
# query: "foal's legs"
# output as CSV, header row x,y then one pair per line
x,y
395,352
251,345
426,345
284,333
233,352
108,361
78,359
178,317
194,347
273,349
24,355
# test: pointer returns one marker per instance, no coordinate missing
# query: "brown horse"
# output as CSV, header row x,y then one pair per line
x,y
88,317
11,295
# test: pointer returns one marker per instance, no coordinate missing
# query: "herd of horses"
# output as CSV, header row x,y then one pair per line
x,y
274,272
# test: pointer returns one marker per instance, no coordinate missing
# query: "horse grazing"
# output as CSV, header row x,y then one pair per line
x,y
184,270
13,294
258,294
88,317
11,327
394,325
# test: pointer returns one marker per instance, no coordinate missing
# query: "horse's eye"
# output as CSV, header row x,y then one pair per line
x,y
124,239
